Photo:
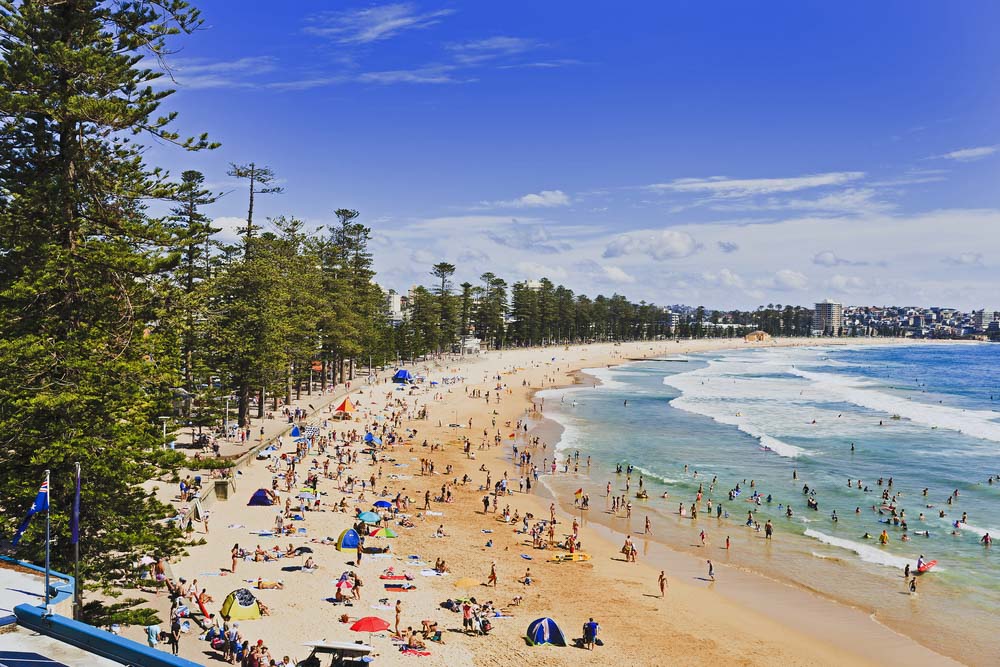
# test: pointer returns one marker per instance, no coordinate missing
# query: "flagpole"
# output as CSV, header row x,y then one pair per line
x,y
76,547
48,536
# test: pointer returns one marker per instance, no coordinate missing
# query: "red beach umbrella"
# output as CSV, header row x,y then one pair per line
x,y
370,624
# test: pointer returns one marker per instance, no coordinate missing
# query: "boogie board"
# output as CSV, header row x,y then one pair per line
x,y
926,566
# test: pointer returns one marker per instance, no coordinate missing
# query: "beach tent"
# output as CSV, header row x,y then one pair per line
x,y
349,539
402,376
545,631
371,438
241,605
260,497
295,432
346,406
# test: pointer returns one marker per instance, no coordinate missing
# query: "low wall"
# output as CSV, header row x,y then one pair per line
x,y
93,640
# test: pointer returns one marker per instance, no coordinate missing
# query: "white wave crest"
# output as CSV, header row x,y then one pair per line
x,y
975,423
867,553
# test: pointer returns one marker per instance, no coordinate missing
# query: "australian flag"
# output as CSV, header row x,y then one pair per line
x,y
41,504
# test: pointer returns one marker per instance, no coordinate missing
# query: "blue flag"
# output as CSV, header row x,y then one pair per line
x,y
75,524
41,504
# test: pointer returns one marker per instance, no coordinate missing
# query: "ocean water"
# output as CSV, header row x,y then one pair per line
x,y
773,420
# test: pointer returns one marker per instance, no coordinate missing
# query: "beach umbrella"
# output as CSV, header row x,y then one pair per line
x,y
346,406
370,624
382,532
147,560
369,517
345,584
306,496
303,550
466,582
383,503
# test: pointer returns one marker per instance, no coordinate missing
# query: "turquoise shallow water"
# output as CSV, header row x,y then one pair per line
x,y
928,416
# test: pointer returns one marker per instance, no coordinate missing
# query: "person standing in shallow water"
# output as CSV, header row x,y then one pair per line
x,y
662,583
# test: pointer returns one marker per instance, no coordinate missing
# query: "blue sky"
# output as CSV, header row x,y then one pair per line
x,y
720,153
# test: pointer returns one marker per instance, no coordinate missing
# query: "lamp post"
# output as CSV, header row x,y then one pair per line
x,y
164,421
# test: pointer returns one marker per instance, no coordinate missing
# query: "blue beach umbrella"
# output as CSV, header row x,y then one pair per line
x,y
383,503
369,517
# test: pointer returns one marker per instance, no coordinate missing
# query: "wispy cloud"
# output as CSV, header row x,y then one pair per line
x,y
969,154
544,64
543,199
965,259
727,246
722,187
847,201
830,258
480,50
536,238
428,74
363,26
202,73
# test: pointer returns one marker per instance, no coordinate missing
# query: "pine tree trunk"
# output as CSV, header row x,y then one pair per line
x,y
260,402
244,408
323,377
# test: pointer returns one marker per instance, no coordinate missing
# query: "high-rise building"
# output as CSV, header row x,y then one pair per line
x,y
981,318
828,318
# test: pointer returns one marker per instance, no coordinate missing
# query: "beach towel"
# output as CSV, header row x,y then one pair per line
x,y
410,651
430,513
432,573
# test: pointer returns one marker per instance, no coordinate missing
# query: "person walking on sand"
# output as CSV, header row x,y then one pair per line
x,y
649,527
399,610
711,571
662,581
235,553
492,580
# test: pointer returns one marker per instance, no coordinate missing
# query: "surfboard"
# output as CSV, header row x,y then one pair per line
x,y
926,566
569,558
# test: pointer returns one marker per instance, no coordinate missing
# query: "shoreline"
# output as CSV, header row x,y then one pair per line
x,y
690,625
805,609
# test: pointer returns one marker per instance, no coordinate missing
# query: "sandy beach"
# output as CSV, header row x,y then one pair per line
x,y
741,618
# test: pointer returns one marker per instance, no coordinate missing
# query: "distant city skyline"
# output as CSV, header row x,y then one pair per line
x,y
721,153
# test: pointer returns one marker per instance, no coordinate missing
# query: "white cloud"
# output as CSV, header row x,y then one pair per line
x,y
830,258
430,74
727,246
966,259
535,237
725,278
969,154
846,284
545,198
722,187
617,275
665,244
202,73
422,256
229,227
478,51
537,270
363,26
785,279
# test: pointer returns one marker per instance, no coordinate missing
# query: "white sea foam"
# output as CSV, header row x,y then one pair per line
x,y
607,378
859,391
867,553
649,474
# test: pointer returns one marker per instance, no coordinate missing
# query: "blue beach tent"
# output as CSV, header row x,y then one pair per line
x,y
295,433
260,497
545,631
402,376
349,539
